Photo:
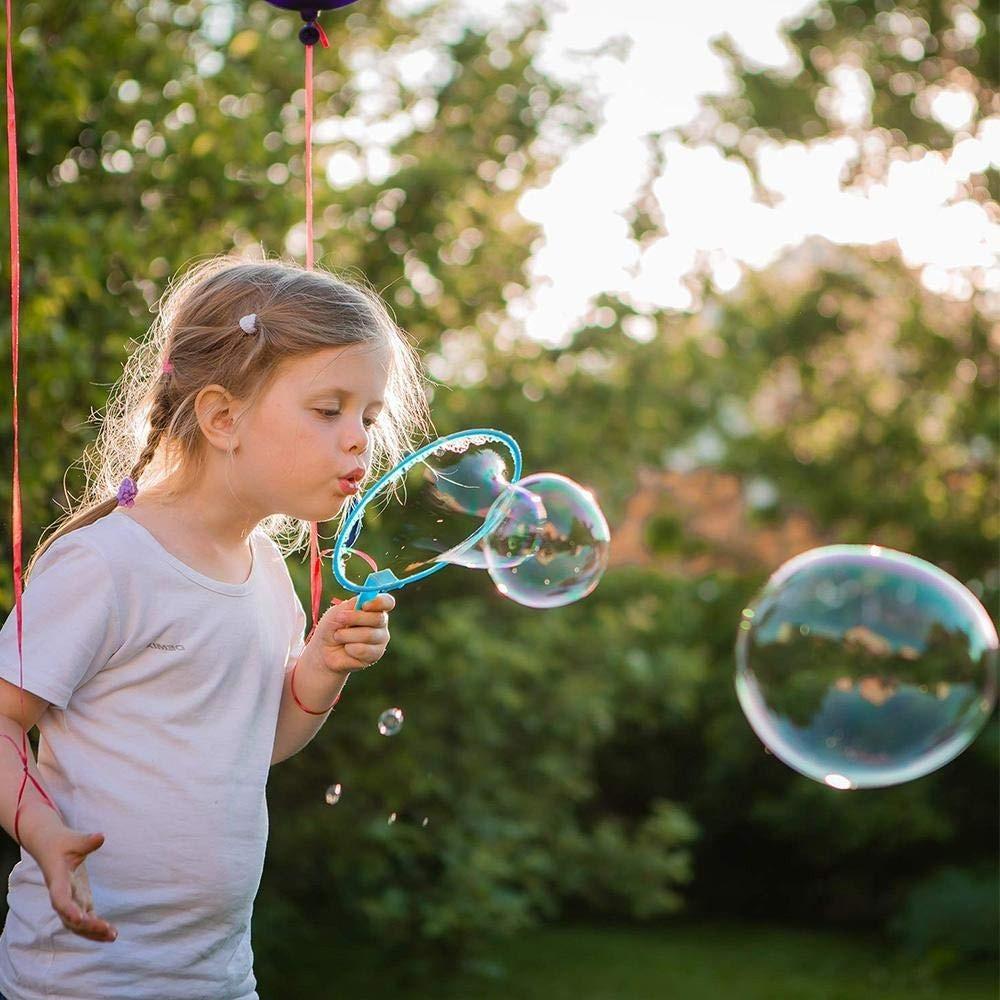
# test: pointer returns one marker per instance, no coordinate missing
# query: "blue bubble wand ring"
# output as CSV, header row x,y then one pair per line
x,y
380,581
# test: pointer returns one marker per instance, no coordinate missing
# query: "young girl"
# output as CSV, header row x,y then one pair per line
x,y
165,661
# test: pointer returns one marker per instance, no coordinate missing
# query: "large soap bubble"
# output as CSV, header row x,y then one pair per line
x,y
570,546
862,667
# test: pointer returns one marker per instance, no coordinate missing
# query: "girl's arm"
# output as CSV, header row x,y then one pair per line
x,y
36,815
316,687
58,850
344,640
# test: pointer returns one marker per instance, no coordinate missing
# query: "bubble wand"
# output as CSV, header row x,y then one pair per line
x,y
461,500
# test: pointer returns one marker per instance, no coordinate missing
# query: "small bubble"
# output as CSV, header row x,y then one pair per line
x,y
333,794
390,721
391,820
424,821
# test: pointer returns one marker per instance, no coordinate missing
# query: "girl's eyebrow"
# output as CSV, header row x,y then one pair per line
x,y
334,390
329,390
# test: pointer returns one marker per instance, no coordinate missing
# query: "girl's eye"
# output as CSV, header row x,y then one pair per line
x,y
369,422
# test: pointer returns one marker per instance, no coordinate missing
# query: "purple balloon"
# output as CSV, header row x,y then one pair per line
x,y
312,6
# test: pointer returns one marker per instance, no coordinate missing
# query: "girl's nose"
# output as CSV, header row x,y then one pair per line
x,y
357,442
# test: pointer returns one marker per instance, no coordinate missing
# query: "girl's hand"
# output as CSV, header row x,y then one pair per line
x,y
347,639
61,862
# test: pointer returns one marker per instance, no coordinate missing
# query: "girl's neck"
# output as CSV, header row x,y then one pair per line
x,y
203,520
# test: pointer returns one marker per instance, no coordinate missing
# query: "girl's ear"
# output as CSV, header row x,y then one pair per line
x,y
216,410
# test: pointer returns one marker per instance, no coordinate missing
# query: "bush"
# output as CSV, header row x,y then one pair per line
x,y
951,916
506,709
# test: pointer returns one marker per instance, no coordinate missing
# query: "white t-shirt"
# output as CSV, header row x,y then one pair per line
x,y
164,686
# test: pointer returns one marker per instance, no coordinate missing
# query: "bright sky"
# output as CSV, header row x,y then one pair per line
x,y
714,224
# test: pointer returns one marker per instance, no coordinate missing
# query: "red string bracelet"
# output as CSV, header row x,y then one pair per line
x,y
291,684
291,681
333,600
27,776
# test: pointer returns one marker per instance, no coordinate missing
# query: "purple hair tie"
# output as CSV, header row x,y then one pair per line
x,y
127,492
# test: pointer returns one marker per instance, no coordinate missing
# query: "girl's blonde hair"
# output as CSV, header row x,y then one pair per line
x,y
150,429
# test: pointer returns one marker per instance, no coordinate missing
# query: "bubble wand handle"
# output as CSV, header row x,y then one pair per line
x,y
377,583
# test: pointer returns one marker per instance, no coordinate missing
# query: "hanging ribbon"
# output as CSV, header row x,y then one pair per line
x,y
309,34
315,564
15,309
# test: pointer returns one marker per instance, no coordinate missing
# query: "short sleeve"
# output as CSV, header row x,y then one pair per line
x,y
70,621
298,641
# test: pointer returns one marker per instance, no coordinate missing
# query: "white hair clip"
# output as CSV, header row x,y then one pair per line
x,y
248,323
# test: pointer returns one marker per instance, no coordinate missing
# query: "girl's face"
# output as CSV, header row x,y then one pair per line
x,y
312,431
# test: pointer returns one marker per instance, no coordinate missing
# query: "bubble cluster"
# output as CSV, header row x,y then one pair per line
x,y
570,546
543,539
862,667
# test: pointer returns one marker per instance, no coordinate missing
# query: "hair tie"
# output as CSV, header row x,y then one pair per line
x,y
248,323
127,492
167,367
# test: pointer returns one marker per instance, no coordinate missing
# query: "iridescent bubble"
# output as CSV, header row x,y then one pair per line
x,y
333,794
390,721
470,481
572,552
515,526
862,667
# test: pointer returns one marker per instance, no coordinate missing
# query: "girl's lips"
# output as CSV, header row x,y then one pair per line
x,y
348,486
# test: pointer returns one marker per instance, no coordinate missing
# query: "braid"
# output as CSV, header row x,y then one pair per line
x,y
159,420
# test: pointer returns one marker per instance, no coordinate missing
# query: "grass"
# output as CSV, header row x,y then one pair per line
x,y
679,962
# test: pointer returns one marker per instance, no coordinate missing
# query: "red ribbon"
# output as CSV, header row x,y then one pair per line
x,y
315,565
15,308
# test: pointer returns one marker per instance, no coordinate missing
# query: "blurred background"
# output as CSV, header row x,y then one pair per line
x,y
732,266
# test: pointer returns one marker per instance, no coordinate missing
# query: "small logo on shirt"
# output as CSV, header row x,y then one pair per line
x,y
163,645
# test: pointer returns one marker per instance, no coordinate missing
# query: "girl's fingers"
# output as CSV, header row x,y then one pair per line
x,y
384,602
84,923
363,619
72,901
366,636
106,933
364,654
